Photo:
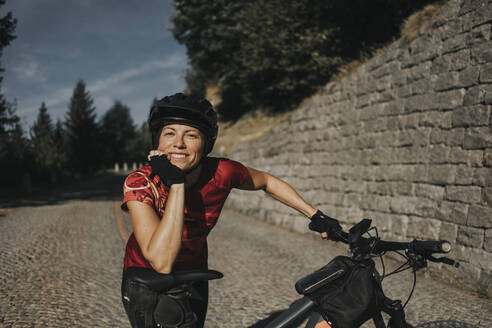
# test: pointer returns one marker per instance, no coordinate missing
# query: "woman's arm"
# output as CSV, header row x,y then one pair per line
x,y
279,190
159,241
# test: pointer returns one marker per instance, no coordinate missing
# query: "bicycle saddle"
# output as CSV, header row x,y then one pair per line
x,y
159,281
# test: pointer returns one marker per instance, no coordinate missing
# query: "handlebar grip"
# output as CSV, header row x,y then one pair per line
x,y
440,246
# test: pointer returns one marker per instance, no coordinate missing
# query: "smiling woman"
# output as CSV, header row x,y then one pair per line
x,y
176,201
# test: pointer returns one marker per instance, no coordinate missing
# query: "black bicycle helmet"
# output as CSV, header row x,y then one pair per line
x,y
186,109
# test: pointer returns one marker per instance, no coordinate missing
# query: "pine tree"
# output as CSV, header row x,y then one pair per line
x,y
118,131
142,143
83,142
9,121
45,151
59,138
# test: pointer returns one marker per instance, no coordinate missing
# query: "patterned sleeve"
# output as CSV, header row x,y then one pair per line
x,y
239,173
137,187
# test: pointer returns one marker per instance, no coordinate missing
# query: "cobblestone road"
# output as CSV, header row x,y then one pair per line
x,y
60,265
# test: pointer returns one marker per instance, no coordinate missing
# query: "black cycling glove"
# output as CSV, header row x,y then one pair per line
x,y
169,174
323,223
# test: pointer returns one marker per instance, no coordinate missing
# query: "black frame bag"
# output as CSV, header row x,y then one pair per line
x,y
345,291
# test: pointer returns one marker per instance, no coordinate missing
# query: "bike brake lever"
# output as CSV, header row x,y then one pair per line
x,y
444,260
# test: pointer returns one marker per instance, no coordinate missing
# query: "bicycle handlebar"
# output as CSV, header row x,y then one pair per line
x,y
376,246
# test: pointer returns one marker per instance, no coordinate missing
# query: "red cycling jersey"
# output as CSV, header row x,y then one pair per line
x,y
203,204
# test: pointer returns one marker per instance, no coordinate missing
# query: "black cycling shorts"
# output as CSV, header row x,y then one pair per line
x,y
140,303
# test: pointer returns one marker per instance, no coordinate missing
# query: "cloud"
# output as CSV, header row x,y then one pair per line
x,y
29,70
173,61
112,82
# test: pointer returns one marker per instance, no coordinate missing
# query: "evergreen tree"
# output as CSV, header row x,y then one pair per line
x,y
45,151
142,143
118,132
10,129
8,119
59,138
83,142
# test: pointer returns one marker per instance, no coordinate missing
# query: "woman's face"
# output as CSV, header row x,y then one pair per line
x,y
183,145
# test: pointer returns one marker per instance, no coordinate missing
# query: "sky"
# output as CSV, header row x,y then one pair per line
x,y
122,49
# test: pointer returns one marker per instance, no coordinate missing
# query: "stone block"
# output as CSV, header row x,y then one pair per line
x,y
454,44
422,103
455,61
411,155
472,96
379,188
393,108
487,196
462,253
399,224
404,91
486,73
452,137
488,240
485,95
470,236
423,228
464,194
481,53
423,85
441,174
417,137
375,203
478,115
446,81
436,119
450,99
458,155
464,175
409,121
376,125
483,177
453,212
488,157
419,72
481,259
413,206
429,191
468,77
400,188
480,216
449,232
438,154
410,173
478,138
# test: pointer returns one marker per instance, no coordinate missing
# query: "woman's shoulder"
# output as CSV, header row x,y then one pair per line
x,y
227,171
139,178
223,165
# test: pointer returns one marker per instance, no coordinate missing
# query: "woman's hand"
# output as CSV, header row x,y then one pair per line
x,y
154,153
169,173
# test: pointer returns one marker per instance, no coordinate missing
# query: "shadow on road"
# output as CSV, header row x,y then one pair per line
x,y
106,186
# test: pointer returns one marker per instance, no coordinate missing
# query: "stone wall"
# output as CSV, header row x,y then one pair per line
x,y
405,140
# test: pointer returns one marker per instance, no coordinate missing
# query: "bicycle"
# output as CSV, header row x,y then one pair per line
x,y
336,278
